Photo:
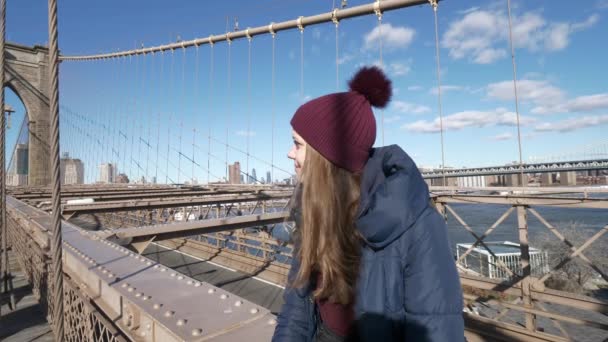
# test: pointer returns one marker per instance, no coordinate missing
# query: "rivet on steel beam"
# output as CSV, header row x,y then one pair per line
x,y
189,282
210,291
149,263
197,284
111,275
238,303
180,277
148,326
224,296
272,321
99,267
173,274
156,266
169,313
254,311
197,332
163,269
145,297
104,271
125,285
138,294
181,322
131,289
157,306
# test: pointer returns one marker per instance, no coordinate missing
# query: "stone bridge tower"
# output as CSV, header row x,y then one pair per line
x,y
26,73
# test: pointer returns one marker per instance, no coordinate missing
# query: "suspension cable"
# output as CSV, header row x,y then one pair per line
x,y
229,100
248,103
209,116
273,100
334,19
439,106
56,244
521,165
378,12
301,28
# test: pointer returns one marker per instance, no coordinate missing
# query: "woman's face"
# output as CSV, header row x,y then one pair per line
x,y
297,153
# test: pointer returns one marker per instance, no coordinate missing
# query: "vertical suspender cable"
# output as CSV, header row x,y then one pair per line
x,y
248,105
142,113
379,15
337,23
148,121
113,121
3,229
135,117
170,116
56,243
229,103
301,28
273,103
209,116
125,118
521,165
181,123
198,96
160,90
439,106
192,161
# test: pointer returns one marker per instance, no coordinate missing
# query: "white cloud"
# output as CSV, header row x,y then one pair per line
x,y
406,107
578,104
460,120
572,124
345,58
400,69
244,133
538,92
482,35
502,136
414,88
391,119
446,88
468,10
393,37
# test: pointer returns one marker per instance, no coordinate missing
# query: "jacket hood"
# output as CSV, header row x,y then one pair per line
x,y
393,195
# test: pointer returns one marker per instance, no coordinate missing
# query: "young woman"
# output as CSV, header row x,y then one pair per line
x,y
372,260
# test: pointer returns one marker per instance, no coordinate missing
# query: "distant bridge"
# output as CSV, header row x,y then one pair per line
x,y
562,166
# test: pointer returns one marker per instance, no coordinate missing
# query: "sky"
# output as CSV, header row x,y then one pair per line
x,y
185,103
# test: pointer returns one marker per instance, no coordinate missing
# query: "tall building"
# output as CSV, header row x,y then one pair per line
x,y
268,178
107,173
234,173
17,175
122,178
253,178
71,170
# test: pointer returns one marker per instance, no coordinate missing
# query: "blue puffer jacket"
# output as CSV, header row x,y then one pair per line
x,y
408,287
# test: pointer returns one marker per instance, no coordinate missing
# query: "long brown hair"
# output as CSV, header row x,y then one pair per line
x,y
329,242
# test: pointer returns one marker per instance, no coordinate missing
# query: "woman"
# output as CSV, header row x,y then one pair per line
x,y
371,254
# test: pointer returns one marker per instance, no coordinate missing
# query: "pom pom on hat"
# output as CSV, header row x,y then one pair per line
x,y
372,83
342,126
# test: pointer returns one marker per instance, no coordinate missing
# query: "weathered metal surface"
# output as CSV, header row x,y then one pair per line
x,y
132,291
181,229
110,206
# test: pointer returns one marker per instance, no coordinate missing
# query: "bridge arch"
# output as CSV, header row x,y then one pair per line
x,y
26,74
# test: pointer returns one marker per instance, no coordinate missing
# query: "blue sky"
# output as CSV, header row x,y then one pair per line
x,y
560,57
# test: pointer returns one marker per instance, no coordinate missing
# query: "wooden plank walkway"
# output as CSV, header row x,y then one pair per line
x,y
27,321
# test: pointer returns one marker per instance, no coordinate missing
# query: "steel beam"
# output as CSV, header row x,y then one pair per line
x,y
183,229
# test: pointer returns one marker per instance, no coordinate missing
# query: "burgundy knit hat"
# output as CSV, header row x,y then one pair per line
x,y
341,126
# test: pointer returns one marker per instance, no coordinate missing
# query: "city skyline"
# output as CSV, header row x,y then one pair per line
x,y
563,105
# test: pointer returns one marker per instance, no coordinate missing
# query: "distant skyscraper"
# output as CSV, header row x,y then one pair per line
x,y
254,178
17,175
107,173
71,170
234,173
242,179
122,178
268,177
